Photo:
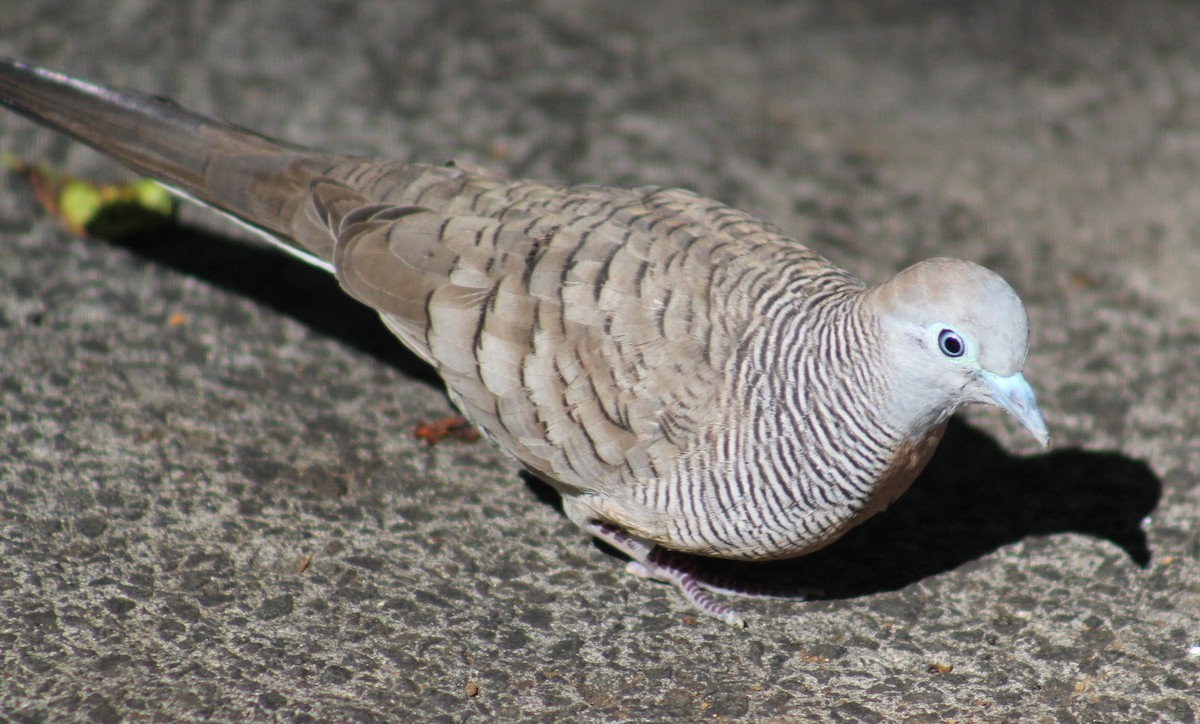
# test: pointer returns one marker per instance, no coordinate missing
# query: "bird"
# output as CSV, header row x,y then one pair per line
x,y
689,378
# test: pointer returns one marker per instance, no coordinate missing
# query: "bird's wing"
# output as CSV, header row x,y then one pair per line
x,y
578,331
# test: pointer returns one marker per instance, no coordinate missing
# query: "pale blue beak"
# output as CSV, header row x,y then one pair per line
x,y
1014,394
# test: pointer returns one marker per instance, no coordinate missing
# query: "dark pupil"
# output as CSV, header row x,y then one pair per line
x,y
951,345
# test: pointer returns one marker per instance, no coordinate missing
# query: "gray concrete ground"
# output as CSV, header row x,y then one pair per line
x,y
211,505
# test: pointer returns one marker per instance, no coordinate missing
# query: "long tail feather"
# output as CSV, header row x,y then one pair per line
x,y
256,180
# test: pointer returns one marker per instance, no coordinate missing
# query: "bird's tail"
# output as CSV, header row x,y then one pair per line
x,y
258,181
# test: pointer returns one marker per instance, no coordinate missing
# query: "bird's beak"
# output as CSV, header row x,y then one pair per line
x,y
1014,394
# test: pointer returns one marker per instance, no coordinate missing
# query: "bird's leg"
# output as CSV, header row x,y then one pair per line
x,y
718,583
660,564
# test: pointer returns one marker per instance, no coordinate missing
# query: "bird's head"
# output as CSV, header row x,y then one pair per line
x,y
957,333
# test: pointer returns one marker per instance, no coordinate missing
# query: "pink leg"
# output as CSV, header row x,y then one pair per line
x,y
660,564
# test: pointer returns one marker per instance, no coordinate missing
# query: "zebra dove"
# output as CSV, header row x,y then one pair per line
x,y
688,377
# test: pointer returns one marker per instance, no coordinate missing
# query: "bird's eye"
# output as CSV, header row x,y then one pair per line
x,y
951,344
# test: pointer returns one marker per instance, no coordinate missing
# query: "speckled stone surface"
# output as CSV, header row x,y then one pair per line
x,y
211,504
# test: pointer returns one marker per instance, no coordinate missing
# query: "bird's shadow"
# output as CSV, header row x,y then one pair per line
x,y
280,282
972,499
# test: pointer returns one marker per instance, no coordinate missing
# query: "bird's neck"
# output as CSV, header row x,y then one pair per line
x,y
851,369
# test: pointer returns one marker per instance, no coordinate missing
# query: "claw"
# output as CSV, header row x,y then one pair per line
x,y
656,563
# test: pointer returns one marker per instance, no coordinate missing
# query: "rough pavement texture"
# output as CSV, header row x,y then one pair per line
x,y
211,504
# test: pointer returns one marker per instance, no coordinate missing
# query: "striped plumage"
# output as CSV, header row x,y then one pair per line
x,y
687,376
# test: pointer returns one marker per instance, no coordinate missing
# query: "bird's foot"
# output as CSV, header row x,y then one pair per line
x,y
717,583
691,588
660,564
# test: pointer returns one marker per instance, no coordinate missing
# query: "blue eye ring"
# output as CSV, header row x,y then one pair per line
x,y
951,344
